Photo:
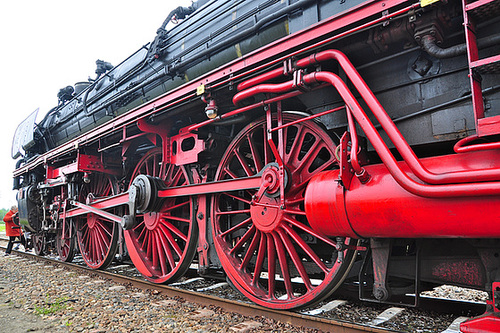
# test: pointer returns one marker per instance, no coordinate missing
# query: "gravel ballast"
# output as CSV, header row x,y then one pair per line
x,y
37,297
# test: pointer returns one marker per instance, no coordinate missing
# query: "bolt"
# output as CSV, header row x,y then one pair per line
x,y
200,216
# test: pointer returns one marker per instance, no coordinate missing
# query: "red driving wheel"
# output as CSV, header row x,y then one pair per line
x,y
97,237
65,241
265,244
162,244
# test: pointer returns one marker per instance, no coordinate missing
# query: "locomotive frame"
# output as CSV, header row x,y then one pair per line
x,y
280,199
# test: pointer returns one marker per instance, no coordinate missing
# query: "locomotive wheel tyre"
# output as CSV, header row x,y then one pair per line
x,y
66,249
162,244
39,244
97,237
263,247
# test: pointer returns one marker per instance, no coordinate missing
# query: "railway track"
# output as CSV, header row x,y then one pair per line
x,y
338,314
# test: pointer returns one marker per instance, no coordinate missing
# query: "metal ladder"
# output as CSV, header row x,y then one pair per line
x,y
474,11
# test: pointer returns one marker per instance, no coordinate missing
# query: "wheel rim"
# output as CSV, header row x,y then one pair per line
x,y
38,244
263,248
162,244
97,237
65,244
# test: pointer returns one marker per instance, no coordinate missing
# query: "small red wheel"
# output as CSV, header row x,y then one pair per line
x,y
266,245
65,241
97,237
162,244
39,243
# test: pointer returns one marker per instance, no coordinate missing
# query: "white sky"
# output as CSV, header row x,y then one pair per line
x,y
48,45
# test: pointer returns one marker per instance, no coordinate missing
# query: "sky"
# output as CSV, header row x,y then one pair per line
x,y
48,45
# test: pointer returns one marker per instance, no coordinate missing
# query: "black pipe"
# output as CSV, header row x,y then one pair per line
x,y
17,180
429,45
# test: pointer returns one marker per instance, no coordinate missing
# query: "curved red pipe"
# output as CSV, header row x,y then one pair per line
x,y
450,190
385,121
460,146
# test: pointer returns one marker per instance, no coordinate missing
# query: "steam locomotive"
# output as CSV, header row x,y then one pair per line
x,y
292,145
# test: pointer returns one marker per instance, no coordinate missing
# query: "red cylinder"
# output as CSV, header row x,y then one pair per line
x,y
382,208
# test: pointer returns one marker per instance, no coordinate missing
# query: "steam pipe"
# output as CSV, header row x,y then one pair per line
x,y
424,190
429,45
385,121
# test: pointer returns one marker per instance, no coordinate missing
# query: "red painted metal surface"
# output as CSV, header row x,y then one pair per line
x,y
84,163
468,180
487,323
382,208
109,202
463,146
181,155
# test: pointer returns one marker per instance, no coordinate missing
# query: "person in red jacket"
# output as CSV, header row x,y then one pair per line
x,y
13,229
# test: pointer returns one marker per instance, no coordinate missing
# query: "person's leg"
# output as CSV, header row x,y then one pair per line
x,y
11,243
23,241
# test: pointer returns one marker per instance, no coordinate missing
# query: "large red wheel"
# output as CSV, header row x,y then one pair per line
x,y
65,241
266,246
162,244
97,237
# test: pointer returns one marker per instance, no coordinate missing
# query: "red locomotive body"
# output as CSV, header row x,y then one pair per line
x,y
360,146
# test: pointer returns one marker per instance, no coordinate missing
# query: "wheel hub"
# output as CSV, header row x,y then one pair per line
x,y
91,220
266,214
151,220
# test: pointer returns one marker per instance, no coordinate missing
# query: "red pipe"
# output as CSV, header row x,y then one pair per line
x,y
424,190
450,190
461,148
385,121
263,88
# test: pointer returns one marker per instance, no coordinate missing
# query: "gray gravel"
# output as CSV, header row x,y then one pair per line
x,y
53,299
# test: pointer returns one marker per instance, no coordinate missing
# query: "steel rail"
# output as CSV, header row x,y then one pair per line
x,y
244,309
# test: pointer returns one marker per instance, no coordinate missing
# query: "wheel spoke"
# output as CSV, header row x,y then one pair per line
x,y
176,231
243,163
250,251
259,263
271,267
296,145
295,259
237,198
306,248
240,225
283,261
250,232
172,241
230,173
174,207
309,230
309,157
255,154
161,258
